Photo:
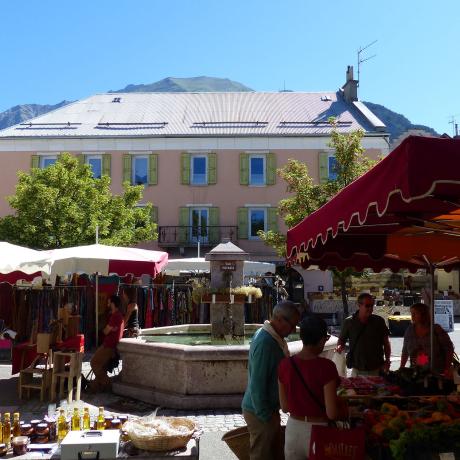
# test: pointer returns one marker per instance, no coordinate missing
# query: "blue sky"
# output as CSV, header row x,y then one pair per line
x,y
54,50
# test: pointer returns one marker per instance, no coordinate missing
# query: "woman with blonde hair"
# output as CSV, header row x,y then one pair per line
x,y
417,344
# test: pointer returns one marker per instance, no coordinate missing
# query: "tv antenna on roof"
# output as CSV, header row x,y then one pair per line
x,y
364,59
454,123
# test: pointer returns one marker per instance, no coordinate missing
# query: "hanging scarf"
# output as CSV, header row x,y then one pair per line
x,y
281,342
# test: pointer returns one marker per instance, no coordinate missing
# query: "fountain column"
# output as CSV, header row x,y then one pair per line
x,y
226,312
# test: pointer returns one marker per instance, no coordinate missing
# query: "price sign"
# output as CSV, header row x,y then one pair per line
x,y
444,314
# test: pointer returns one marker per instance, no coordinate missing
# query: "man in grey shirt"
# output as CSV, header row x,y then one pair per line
x,y
369,339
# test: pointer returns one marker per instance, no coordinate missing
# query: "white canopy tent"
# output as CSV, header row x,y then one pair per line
x,y
200,265
18,258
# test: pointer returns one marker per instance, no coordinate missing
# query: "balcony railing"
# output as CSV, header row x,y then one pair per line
x,y
189,236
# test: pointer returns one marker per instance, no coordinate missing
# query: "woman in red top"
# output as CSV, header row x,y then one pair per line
x,y
113,332
308,388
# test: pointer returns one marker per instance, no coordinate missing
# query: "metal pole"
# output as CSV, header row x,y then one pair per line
x,y
97,309
431,268
97,234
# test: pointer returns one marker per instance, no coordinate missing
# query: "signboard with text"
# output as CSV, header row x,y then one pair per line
x,y
228,267
444,314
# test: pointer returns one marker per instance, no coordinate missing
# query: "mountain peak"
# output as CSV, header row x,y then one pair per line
x,y
192,84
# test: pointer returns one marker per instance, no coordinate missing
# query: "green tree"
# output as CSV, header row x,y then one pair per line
x,y
307,196
61,205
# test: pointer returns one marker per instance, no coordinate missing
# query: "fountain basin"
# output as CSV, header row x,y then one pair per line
x,y
187,376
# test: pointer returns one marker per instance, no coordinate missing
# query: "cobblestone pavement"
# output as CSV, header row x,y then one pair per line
x,y
209,420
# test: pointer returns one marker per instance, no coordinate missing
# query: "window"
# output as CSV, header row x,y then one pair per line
x,y
47,160
332,167
257,170
257,221
95,161
199,224
140,168
199,175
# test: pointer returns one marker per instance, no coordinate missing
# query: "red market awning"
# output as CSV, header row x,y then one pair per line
x,y
403,213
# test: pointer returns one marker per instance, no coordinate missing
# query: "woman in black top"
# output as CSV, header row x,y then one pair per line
x,y
132,313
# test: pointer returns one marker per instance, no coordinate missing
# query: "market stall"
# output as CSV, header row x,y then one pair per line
x,y
402,214
76,433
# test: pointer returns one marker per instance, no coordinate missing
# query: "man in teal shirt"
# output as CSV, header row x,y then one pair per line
x,y
260,402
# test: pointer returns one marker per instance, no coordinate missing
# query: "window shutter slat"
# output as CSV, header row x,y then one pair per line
x,y
127,167
323,167
212,168
242,223
154,214
272,219
153,169
183,224
185,168
271,169
106,164
214,230
244,168
35,161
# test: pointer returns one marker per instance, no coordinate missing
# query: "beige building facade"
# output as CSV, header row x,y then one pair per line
x,y
207,160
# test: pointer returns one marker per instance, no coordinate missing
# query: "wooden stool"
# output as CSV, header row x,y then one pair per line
x,y
66,365
37,376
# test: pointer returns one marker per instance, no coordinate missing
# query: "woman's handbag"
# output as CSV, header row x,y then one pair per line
x,y
332,443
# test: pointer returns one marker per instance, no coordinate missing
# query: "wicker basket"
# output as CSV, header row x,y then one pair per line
x,y
238,442
163,442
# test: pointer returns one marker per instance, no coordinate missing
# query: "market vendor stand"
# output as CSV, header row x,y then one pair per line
x,y
402,214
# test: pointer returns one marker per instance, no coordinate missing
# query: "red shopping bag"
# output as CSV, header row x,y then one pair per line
x,y
332,443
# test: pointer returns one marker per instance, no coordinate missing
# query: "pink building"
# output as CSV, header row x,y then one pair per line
x,y
208,160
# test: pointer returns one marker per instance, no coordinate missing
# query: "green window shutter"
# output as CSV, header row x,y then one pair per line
x,y
81,158
214,231
106,164
212,168
323,167
185,168
154,214
242,223
272,217
153,169
127,167
35,161
270,165
244,168
184,224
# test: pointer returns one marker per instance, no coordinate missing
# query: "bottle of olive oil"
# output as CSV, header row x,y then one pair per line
x,y
62,425
1,429
16,425
100,423
76,419
7,429
86,419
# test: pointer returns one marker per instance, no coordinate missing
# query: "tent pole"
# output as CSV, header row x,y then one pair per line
x,y
97,309
431,269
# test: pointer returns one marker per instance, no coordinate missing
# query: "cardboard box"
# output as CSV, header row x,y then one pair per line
x,y
94,444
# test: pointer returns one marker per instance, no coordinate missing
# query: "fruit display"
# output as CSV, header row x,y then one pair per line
x,y
369,385
410,425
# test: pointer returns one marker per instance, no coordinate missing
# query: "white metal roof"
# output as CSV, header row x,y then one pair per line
x,y
197,115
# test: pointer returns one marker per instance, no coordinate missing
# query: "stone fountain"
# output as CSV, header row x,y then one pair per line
x,y
193,375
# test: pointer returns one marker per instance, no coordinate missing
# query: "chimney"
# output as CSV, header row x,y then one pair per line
x,y
350,88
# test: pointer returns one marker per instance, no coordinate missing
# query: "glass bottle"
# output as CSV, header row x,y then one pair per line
x,y
1,429
86,419
62,425
16,425
7,429
100,423
76,419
